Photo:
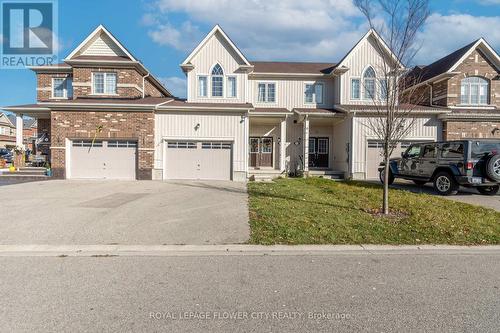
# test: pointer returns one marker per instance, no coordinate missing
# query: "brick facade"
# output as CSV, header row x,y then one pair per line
x,y
44,86
116,125
456,130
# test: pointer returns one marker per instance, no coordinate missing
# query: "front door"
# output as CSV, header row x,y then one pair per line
x,y
261,152
318,152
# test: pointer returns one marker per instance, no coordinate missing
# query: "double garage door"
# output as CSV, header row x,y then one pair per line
x,y
198,160
99,159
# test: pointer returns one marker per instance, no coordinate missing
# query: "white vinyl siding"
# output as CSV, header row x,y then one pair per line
x,y
103,46
104,83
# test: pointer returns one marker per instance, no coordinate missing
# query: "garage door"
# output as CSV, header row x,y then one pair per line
x,y
374,156
111,159
198,160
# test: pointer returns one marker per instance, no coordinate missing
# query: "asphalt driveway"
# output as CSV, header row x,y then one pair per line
x,y
467,195
120,212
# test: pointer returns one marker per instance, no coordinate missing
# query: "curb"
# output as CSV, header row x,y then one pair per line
x,y
248,250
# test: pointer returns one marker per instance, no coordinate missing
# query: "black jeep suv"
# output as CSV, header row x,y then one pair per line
x,y
450,164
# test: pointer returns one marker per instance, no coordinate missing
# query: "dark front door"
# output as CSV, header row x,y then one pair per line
x,y
318,152
261,152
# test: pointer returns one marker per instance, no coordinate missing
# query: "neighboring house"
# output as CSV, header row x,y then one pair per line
x,y
466,84
106,116
7,132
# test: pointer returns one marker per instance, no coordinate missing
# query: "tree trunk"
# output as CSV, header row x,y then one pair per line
x,y
386,177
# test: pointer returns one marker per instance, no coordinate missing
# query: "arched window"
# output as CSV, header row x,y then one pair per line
x,y
474,91
369,78
217,81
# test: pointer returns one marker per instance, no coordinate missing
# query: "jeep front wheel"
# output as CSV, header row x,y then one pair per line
x,y
382,176
445,184
488,190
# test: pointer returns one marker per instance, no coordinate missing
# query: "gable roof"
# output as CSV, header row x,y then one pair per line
x,y
281,67
375,35
102,36
27,122
215,29
448,63
7,119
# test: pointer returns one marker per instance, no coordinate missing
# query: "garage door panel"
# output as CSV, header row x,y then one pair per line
x,y
206,160
103,159
374,156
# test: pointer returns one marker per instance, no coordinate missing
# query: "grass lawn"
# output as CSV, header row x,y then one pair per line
x,y
321,211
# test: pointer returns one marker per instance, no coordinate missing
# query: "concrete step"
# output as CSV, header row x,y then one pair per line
x,y
22,177
29,171
330,174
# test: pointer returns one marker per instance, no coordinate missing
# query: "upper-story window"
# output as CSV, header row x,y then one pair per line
x,y
62,87
202,86
231,86
217,81
267,92
474,91
313,93
369,78
355,88
104,83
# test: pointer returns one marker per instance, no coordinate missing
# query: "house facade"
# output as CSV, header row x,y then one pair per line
x,y
104,115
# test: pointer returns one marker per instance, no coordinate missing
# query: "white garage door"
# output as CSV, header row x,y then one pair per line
x,y
374,156
198,160
112,159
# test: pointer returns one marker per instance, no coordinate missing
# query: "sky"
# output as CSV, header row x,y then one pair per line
x,y
161,33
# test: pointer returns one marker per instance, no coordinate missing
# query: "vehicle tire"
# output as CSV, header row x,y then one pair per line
x,y
493,168
382,174
445,184
488,190
420,182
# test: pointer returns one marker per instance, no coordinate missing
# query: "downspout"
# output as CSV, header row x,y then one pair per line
x,y
430,93
144,84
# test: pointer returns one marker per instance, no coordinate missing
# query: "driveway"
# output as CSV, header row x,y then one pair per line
x,y
121,212
467,195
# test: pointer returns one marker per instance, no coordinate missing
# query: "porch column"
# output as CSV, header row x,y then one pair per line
x,y
19,129
305,144
283,145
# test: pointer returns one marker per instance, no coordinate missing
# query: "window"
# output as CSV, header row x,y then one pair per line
x,y
87,143
369,83
202,86
62,87
429,151
383,89
355,91
482,149
104,83
267,92
122,144
217,81
413,151
231,86
474,91
313,93
181,145
452,150
215,145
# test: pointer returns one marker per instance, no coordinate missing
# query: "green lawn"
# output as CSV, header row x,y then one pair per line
x,y
321,211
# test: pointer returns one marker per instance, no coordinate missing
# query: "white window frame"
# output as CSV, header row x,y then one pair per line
x,y
351,90
479,85
65,87
198,85
223,77
105,74
314,98
266,92
363,85
235,86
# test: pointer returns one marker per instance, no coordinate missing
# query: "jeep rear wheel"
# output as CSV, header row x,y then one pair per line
x,y
382,175
445,184
493,168
488,190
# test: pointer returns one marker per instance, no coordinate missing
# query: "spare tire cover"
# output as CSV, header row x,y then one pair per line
x,y
493,168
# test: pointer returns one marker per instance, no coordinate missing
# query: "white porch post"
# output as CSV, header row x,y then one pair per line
x,y
19,129
283,145
305,144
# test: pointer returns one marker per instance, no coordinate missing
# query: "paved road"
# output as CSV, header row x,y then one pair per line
x,y
347,292
124,212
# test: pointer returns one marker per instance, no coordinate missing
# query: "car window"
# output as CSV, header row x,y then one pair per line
x,y
482,149
429,151
453,150
413,151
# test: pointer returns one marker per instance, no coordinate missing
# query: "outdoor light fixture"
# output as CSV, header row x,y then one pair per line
x,y
298,142
495,130
197,127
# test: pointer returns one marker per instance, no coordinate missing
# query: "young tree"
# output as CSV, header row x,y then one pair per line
x,y
397,22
